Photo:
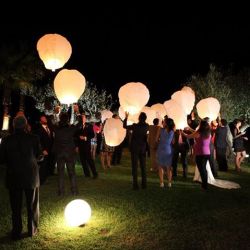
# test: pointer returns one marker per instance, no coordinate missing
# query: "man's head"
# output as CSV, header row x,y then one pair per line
x,y
43,120
142,117
20,123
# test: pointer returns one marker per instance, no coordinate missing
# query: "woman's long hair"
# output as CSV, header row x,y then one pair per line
x,y
204,129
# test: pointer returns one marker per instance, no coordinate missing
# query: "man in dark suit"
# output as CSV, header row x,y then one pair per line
x,y
181,147
46,136
138,146
84,136
19,152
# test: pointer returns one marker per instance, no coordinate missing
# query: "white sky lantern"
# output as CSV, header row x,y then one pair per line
x,y
77,213
133,96
105,114
160,110
69,85
114,132
176,112
208,107
186,88
151,114
185,99
131,118
54,50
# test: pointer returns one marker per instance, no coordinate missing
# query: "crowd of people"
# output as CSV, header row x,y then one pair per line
x,y
33,154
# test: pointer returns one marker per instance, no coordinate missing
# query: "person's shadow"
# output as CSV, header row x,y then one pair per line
x,y
7,239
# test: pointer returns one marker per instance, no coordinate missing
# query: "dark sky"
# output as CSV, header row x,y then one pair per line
x,y
114,46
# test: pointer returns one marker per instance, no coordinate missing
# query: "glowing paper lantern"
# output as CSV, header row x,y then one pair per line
x,y
131,118
185,99
133,97
69,85
54,50
186,88
160,110
105,114
114,132
77,213
208,107
151,114
176,112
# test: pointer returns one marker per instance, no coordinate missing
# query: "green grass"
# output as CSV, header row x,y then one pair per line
x,y
183,217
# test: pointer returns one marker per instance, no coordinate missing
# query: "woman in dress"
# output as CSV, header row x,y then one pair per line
x,y
202,149
238,144
165,150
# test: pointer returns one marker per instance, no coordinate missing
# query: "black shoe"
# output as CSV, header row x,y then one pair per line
x,y
135,187
95,176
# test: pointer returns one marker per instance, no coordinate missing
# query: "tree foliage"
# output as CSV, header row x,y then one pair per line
x,y
228,88
93,101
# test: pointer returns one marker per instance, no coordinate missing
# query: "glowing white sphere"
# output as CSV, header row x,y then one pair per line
x,y
208,107
77,213
114,132
69,85
133,96
54,50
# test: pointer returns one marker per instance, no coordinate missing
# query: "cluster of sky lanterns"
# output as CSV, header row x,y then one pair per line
x,y
55,50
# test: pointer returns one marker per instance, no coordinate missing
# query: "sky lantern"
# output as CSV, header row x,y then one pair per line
x,y
208,107
176,112
185,99
114,132
105,114
54,50
186,88
133,96
160,110
77,213
131,118
69,85
151,114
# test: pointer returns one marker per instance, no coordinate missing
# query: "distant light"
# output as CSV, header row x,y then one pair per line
x,y
6,119
77,213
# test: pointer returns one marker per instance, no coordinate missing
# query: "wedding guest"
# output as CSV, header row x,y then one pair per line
x,y
153,143
19,152
238,144
202,149
64,148
221,144
138,146
181,148
84,136
165,150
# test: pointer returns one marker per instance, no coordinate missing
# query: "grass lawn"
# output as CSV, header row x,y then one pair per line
x,y
183,217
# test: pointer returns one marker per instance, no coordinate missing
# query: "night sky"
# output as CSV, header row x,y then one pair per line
x,y
114,46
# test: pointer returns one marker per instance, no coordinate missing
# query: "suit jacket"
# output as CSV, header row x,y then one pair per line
x,y
46,139
19,152
184,146
88,132
138,143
